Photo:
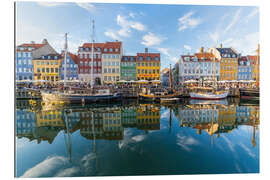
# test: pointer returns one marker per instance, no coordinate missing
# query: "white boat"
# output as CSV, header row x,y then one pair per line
x,y
212,95
165,100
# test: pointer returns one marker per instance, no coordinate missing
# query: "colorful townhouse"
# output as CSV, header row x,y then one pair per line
x,y
148,117
85,62
111,62
47,67
128,68
72,67
255,63
244,70
228,59
202,65
25,123
25,53
148,66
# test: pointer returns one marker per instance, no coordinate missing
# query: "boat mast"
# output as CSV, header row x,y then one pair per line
x,y
214,72
170,77
65,68
92,54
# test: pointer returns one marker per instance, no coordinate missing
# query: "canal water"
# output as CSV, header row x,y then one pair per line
x,y
131,138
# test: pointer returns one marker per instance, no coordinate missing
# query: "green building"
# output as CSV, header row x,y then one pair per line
x,y
128,68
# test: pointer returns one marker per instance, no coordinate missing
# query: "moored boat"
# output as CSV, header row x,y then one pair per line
x,y
249,94
208,94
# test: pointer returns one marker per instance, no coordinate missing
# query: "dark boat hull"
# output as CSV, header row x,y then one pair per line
x,y
249,94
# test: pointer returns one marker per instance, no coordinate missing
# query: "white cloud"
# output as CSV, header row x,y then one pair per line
x,y
151,39
131,14
165,51
234,20
249,152
174,59
187,21
68,172
227,41
127,25
252,14
87,6
45,167
112,35
187,47
185,142
247,44
138,138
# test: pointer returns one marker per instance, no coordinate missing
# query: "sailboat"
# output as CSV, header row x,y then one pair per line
x,y
209,93
80,95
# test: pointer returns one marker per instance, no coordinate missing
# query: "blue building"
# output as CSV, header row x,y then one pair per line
x,y
25,124
72,67
244,71
24,56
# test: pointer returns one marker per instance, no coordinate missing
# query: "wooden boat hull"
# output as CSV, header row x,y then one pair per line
x,y
208,96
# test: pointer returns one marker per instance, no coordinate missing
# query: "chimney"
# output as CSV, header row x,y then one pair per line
x,y
32,42
44,41
201,49
146,50
220,45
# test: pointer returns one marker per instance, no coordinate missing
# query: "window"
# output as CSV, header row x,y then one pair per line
x,y
47,70
158,71
19,62
154,71
113,63
150,64
20,69
56,70
116,49
148,58
138,71
43,70
24,61
52,70
38,70
156,58
104,56
111,49
138,64
142,64
141,58
146,64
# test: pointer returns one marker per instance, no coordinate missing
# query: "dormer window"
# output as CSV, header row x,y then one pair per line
x,y
111,49
105,49
116,49
156,58
55,57
126,58
141,58
87,49
195,59
131,58
187,58
148,58
98,49
43,57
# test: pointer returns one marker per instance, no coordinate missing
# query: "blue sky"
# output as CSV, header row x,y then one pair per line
x,y
172,30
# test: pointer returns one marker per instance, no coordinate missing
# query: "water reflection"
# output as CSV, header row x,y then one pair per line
x,y
113,123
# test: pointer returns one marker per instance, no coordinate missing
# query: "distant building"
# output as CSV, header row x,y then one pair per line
x,y
25,124
148,66
71,69
85,62
244,71
228,62
47,67
129,68
165,77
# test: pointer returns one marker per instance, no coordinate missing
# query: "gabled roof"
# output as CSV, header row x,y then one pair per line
x,y
30,45
73,57
227,51
253,59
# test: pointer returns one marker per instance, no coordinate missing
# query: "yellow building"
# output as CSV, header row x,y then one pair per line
x,y
47,67
148,117
50,118
228,62
227,116
148,66
111,62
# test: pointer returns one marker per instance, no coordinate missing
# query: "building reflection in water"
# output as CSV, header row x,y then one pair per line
x,y
218,118
108,123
